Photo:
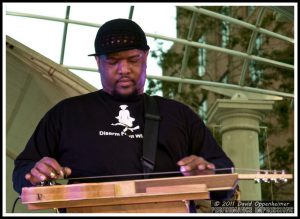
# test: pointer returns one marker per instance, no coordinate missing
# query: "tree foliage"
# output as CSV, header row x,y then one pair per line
x,y
268,77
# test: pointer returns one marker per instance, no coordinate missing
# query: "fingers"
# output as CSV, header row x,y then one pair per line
x,y
211,166
193,162
206,165
50,167
66,171
45,169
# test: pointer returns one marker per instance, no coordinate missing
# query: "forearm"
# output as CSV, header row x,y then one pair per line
x,y
19,181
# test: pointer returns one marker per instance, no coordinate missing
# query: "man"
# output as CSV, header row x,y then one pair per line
x,y
101,133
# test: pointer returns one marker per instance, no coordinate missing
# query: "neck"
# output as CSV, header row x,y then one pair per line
x,y
131,97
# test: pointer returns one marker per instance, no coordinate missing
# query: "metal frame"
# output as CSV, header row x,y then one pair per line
x,y
188,43
251,45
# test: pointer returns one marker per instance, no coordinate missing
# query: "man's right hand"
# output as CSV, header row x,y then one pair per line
x,y
45,169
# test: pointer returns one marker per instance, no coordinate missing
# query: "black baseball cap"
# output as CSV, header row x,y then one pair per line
x,y
119,35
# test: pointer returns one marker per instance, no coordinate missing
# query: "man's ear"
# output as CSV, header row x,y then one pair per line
x,y
146,55
97,59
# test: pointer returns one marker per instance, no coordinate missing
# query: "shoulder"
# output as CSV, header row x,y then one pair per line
x,y
75,103
79,100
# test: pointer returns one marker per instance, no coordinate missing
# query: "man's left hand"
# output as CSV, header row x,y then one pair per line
x,y
194,162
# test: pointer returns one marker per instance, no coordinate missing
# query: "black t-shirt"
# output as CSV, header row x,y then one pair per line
x,y
97,134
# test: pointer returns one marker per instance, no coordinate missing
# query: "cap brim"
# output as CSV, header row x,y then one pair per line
x,y
95,54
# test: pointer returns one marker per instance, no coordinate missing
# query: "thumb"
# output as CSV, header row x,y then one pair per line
x,y
28,176
67,171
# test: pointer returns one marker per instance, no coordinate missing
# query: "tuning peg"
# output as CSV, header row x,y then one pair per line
x,y
284,180
266,179
257,180
275,180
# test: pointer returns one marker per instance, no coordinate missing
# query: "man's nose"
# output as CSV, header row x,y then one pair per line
x,y
123,67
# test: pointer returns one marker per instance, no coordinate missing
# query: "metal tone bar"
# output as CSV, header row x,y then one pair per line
x,y
62,54
187,49
238,22
251,45
176,40
131,12
199,82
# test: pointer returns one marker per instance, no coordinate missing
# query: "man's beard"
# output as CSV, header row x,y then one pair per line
x,y
130,96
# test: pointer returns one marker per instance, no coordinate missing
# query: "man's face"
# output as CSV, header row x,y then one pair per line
x,y
123,73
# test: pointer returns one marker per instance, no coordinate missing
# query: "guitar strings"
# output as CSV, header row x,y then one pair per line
x,y
194,172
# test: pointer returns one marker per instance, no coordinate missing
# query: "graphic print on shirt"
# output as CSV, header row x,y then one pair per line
x,y
125,120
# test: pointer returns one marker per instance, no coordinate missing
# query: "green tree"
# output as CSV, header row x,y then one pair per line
x,y
265,77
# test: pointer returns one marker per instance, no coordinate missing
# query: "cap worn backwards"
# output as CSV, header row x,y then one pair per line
x,y
119,35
